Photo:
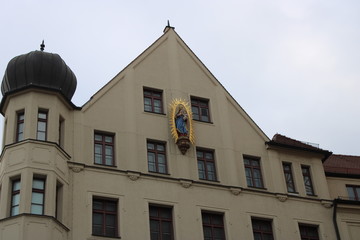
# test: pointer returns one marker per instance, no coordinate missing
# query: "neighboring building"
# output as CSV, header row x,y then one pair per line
x,y
160,152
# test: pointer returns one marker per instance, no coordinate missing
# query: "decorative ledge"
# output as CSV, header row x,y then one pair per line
x,y
133,175
281,197
76,167
185,183
326,203
235,191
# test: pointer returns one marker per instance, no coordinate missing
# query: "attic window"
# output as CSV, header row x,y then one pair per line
x,y
153,100
200,109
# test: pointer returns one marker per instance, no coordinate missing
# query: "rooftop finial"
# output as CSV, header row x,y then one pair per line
x,y
42,46
168,26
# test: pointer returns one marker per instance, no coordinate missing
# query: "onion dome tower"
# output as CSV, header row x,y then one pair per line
x,y
38,127
39,69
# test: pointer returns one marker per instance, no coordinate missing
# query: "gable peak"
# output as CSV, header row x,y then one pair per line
x,y
168,27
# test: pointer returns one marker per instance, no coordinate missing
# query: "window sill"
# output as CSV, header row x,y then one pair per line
x,y
103,165
159,174
209,181
260,188
97,237
203,121
164,114
293,193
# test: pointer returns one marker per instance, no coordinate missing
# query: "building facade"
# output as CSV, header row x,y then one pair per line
x,y
162,151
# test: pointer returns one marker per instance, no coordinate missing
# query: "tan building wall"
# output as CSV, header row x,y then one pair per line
x,y
118,108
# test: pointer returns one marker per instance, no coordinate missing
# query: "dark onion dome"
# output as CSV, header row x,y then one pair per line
x,y
40,70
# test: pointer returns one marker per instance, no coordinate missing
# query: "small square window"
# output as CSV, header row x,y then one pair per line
x,y
353,192
153,101
262,229
309,232
200,109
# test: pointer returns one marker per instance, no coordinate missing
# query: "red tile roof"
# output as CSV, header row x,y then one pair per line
x,y
343,164
278,138
286,142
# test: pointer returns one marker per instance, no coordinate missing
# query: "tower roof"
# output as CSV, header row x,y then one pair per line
x,y
39,69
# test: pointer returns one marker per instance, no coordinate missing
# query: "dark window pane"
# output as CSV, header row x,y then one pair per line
x,y
160,222
104,149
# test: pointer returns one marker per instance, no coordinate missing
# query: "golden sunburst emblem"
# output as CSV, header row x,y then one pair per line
x,y
181,124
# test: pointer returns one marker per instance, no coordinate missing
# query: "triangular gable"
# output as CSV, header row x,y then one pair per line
x,y
171,37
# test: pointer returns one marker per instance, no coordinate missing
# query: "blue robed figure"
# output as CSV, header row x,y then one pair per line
x,y
181,120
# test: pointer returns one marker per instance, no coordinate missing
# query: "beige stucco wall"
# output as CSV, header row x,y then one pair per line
x,y
170,66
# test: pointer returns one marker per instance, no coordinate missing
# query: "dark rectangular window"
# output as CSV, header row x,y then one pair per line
x,y
289,177
42,125
253,172
15,197
213,226
262,229
307,180
38,196
156,155
61,131
161,226
104,149
20,126
200,109
59,201
206,164
104,218
354,192
153,101
309,232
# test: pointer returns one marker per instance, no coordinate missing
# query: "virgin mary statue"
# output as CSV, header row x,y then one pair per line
x,y
181,120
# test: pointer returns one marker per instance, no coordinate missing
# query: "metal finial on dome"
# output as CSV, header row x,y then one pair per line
x,y
42,46
168,23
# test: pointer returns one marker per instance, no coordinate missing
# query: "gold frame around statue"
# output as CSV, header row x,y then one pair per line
x,y
174,107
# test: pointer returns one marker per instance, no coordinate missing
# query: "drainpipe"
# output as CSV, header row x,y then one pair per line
x,y
335,221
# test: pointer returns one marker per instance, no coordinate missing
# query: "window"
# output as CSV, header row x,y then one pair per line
x,y
59,201
213,226
104,222
253,173
206,164
309,232
307,180
37,196
289,177
161,226
61,131
104,149
354,192
153,101
200,109
262,229
15,197
20,126
156,155
42,125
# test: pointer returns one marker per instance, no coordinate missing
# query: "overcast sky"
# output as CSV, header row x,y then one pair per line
x,y
292,65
